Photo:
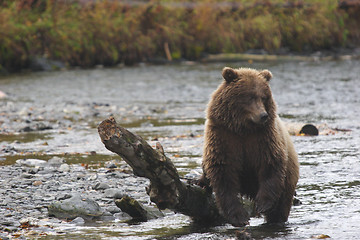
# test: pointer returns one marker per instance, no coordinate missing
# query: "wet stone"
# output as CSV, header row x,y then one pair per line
x,y
107,216
114,193
31,162
76,206
64,168
113,209
8,222
80,176
63,196
26,175
37,183
122,216
115,174
29,221
78,221
92,177
56,161
101,186
111,165
33,170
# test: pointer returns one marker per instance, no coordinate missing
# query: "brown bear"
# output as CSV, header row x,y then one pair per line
x,y
247,150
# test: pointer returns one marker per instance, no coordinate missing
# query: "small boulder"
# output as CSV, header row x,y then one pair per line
x,y
76,206
55,161
31,162
64,168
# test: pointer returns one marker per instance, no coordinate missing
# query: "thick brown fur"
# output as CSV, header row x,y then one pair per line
x,y
247,149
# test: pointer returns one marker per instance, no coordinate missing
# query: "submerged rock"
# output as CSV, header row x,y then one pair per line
x,y
78,221
76,206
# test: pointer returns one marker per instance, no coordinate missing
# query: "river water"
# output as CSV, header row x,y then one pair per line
x,y
56,113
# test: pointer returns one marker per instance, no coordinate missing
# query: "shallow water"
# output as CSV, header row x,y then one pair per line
x,y
166,104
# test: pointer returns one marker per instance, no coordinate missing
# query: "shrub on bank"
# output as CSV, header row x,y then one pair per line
x,y
86,33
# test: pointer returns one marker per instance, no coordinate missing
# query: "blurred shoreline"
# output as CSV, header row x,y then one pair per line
x,y
48,35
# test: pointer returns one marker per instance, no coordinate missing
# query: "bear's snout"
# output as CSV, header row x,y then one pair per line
x,y
260,118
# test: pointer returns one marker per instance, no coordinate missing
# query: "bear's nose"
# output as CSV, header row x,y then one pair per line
x,y
264,116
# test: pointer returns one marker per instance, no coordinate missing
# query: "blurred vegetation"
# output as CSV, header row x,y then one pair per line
x,y
87,33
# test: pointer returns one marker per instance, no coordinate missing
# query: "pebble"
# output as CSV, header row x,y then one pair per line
x,y
30,221
113,193
37,183
34,170
78,221
111,165
122,216
55,161
113,209
101,186
64,168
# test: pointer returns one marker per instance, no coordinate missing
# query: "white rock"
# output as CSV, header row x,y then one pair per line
x,y
64,167
31,162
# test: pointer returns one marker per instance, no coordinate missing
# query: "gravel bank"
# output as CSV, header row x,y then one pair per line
x,y
30,186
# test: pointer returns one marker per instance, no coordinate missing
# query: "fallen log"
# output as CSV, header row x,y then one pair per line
x,y
166,188
136,210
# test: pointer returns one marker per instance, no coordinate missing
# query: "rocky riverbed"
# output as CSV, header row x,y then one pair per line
x,y
52,159
34,191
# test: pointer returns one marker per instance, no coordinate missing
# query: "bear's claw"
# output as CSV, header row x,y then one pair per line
x,y
238,220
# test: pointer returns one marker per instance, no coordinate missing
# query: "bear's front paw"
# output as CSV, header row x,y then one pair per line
x,y
203,182
238,220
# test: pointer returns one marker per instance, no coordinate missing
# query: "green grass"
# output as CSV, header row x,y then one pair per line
x,y
112,32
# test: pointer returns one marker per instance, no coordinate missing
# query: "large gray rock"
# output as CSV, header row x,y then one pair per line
x,y
76,206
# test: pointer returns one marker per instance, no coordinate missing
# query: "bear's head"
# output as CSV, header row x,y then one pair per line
x,y
243,100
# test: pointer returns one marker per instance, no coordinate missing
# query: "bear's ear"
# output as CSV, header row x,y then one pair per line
x,y
266,74
229,74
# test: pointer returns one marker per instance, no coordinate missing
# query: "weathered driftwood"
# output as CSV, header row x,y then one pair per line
x,y
136,210
166,189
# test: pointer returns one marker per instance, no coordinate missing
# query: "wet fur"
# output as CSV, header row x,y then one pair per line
x,y
243,156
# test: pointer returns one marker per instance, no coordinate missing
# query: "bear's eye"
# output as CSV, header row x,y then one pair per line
x,y
251,98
